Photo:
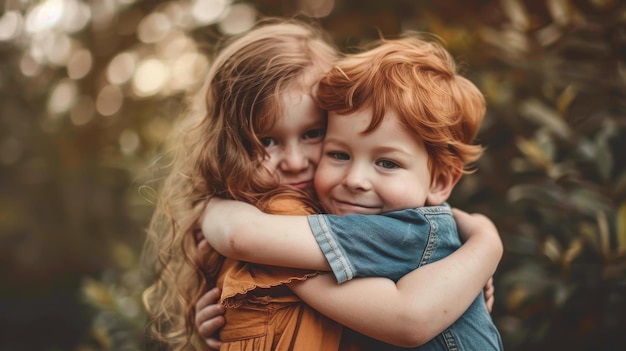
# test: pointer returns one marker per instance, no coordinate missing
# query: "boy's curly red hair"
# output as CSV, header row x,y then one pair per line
x,y
417,79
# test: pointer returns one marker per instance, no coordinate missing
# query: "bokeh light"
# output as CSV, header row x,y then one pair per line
x,y
62,97
29,66
109,100
129,141
44,16
153,27
79,64
76,15
150,77
53,47
316,8
175,44
83,110
208,11
238,19
121,68
10,25
188,69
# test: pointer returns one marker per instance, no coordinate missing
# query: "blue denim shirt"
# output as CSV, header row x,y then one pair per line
x,y
395,243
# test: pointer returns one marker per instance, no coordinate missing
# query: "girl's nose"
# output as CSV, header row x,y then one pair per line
x,y
294,160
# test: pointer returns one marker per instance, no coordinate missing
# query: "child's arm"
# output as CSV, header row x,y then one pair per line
x,y
241,231
423,303
288,241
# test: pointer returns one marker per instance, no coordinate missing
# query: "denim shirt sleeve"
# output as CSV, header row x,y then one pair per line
x,y
389,245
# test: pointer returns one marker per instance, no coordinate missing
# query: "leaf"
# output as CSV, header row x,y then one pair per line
x,y
572,252
588,201
552,249
537,153
97,294
565,99
603,233
536,111
516,298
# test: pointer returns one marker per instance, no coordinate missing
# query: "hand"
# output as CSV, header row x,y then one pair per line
x,y
469,224
204,249
209,318
488,291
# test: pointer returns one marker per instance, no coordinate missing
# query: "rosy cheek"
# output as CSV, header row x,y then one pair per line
x,y
316,154
322,188
267,171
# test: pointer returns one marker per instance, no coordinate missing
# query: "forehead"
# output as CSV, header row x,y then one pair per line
x,y
295,110
286,97
361,121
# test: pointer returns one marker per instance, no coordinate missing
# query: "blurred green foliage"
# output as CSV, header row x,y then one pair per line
x,y
78,146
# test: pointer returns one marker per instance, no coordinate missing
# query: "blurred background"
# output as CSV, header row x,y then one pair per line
x,y
89,91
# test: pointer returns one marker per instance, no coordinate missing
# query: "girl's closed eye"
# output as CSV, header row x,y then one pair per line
x,y
387,164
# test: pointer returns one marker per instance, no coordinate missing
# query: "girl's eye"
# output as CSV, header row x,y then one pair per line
x,y
339,156
387,164
268,142
315,133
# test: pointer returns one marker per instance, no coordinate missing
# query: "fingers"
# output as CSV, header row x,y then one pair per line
x,y
208,330
209,317
198,235
489,291
209,320
209,298
489,302
213,344
203,249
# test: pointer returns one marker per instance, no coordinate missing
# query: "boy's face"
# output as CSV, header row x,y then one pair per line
x,y
294,143
382,171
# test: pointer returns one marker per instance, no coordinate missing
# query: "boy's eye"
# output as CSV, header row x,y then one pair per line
x,y
267,142
314,133
387,164
339,155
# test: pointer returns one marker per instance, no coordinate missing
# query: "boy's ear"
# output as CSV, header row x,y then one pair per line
x,y
441,187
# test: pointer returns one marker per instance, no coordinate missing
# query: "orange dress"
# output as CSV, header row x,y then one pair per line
x,y
262,313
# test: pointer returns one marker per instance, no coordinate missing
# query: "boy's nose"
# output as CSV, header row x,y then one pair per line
x,y
356,179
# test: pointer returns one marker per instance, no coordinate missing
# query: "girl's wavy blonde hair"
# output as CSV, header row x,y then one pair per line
x,y
218,154
416,77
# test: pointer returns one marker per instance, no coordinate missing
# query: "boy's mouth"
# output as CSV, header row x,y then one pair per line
x,y
347,207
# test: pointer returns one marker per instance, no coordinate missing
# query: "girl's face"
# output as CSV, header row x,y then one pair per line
x,y
294,142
